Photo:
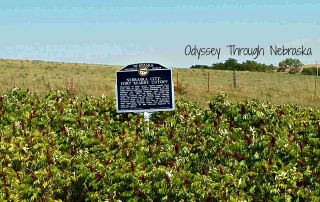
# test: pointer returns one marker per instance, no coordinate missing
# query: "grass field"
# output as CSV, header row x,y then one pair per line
x,y
58,148
97,80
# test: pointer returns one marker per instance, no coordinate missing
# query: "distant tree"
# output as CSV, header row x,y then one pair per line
x,y
200,66
250,65
231,64
218,66
309,71
293,65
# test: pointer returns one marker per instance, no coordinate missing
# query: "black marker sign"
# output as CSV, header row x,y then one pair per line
x,y
144,87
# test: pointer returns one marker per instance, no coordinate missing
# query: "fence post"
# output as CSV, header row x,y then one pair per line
x,y
315,89
234,79
177,83
208,82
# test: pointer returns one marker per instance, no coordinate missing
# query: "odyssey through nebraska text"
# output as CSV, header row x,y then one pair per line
x,y
274,50
256,52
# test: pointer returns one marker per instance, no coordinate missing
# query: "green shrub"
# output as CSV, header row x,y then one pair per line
x,y
310,71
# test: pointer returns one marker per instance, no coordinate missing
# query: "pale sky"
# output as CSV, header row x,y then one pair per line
x,y
127,32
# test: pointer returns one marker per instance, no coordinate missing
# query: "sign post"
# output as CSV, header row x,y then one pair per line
x,y
144,88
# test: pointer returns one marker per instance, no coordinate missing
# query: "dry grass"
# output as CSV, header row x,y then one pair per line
x,y
278,88
96,80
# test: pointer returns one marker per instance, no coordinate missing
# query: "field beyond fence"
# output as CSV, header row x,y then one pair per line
x,y
195,84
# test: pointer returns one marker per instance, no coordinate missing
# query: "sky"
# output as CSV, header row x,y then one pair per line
x,y
127,32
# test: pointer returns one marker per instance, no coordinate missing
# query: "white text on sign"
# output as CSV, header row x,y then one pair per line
x,y
143,81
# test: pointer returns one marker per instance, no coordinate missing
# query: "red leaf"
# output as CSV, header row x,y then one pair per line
x,y
207,144
215,122
101,138
3,176
132,166
238,156
49,160
79,123
270,160
203,170
301,146
34,178
264,168
170,163
218,151
143,178
72,151
249,140
137,191
107,162
138,120
209,198
91,169
99,176
168,178
176,148
171,133
301,162
211,106
273,140
242,109
300,183
186,180
115,144
230,125
221,170
280,111
105,117
150,151
158,142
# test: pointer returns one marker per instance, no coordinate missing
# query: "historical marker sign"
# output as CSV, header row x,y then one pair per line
x,y
144,87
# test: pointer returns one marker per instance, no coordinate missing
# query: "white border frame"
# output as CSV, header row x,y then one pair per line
x,y
145,110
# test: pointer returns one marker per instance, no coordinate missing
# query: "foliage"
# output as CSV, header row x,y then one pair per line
x,y
59,148
293,65
310,71
200,67
232,64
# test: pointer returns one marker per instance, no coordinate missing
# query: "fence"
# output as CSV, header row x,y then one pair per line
x,y
246,82
195,84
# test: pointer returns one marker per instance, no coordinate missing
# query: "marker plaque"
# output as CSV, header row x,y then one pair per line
x,y
144,87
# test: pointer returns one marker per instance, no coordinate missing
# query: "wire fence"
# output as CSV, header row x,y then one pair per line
x,y
276,82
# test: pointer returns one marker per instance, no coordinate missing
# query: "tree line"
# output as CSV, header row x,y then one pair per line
x,y
290,65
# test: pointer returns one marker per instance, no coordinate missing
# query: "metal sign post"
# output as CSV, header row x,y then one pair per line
x,y
146,117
